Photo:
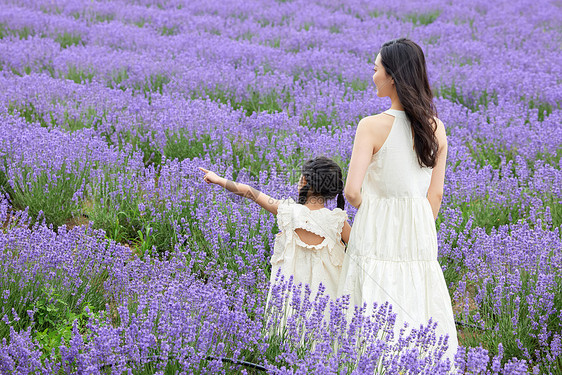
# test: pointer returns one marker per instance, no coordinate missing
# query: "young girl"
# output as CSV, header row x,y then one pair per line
x,y
309,246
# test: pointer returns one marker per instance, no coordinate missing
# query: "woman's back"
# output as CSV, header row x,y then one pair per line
x,y
394,171
395,222
392,251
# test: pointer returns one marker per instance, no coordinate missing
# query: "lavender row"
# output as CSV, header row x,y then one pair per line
x,y
493,179
329,50
132,169
147,315
169,206
125,118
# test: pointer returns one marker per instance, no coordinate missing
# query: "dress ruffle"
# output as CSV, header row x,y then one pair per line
x,y
285,213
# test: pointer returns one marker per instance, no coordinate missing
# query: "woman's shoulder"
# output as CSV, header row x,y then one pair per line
x,y
376,123
376,119
437,122
440,131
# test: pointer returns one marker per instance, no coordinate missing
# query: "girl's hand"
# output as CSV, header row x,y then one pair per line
x,y
210,177
242,190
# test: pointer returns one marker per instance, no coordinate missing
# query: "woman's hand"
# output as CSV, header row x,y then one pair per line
x,y
210,177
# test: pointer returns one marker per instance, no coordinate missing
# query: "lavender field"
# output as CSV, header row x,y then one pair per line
x,y
116,257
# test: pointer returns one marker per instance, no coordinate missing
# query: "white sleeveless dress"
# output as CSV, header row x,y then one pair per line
x,y
392,250
309,264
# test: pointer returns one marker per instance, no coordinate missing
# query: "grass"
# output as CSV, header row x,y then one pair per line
x,y
489,154
117,214
3,31
544,109
256,101
118,79
275,42
453,272
23,33
49,305
67,39
150,225
470,101
152,83
48,195
359,85
422,19
5,187
245,36
306,26
104,17
78,75
56,308
554,205
316,120
497,155
511,323
29,113
88,118
172,30
140,23
549,158
488,215
187,145
375,13
334,29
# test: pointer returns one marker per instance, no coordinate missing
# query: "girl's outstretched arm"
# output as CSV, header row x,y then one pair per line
x,y
246,191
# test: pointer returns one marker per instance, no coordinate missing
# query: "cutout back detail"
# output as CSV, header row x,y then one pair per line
x,y
308,237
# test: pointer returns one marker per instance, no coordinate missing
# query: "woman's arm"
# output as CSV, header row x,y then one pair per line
x,y
246,191
361,155
435,190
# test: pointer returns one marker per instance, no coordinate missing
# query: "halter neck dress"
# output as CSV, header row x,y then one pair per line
x,y
392,250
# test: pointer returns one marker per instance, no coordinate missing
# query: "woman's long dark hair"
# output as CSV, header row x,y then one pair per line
x,y
404,61
323,179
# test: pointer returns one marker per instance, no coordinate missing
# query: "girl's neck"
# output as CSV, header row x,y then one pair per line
x,y
315,203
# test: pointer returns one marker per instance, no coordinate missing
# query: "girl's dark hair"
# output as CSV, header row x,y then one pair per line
x,y
404,61
324,179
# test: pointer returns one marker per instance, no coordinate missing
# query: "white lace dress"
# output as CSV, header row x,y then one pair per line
x,y
309,264
392,250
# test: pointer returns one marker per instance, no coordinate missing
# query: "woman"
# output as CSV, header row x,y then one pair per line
x,y
395,179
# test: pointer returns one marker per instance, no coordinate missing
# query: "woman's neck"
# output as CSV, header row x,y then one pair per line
x,y
395,102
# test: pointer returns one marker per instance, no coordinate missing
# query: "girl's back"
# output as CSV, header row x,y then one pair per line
x,y
314,257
